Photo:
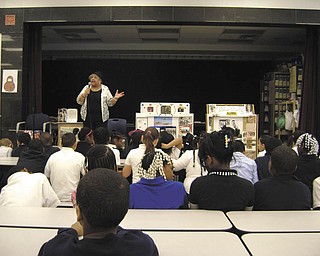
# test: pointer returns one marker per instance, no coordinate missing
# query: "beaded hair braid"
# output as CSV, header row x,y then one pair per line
x,y
308,142
157,164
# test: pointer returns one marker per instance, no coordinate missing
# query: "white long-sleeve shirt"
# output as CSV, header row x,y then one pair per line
x,y
28,190
63,169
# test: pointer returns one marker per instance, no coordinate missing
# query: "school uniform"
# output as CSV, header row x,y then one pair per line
x,y
284,192
157,194
222,190
123,243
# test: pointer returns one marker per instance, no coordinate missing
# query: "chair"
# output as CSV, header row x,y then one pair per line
x,y
35,122
117,125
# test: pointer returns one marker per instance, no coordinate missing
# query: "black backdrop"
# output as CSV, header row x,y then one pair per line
x,y
195,82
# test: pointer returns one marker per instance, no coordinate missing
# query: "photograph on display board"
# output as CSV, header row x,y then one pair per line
x,y
185,125
162,121
236,123
169,129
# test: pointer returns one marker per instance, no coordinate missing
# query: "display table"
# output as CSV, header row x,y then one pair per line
x,y
154,220
276,221
293,244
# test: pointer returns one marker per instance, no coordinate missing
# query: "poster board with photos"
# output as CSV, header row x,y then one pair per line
x,y
239,117
172,117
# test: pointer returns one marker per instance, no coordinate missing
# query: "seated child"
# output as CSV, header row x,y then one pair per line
x,y
6,147
156,190
28,189
282,191
102,203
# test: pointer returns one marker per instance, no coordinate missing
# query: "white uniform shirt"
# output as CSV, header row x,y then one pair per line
x,y
245,167
5,151
261,153
116,153
186,162
316,192
63,169
28,190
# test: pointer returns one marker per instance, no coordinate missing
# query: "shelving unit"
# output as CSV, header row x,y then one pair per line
x,y
280,91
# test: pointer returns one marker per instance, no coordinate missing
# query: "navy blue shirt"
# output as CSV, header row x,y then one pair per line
x,y
125,242
158,194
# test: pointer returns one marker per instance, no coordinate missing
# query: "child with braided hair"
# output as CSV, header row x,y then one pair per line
x,y
308,167
156,190
149,140
221,189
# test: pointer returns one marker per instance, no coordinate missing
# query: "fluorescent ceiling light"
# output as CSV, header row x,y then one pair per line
x,y
7,38
13,49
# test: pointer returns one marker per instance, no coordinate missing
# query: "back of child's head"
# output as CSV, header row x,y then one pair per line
x,y
284,160
264,138
272,143
101,135
5,142
135,137
149,136
23,138
46,138
307,144
68,139
165,138
36,145
103,197
238,146
218,145
101,156
84,133
152,165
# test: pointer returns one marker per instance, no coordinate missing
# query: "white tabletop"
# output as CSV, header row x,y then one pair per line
x,y
9,160
293,244
28,241
198,243
23,241
176,220
156,220
276,221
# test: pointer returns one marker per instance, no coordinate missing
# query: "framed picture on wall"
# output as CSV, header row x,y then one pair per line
x,y
10,81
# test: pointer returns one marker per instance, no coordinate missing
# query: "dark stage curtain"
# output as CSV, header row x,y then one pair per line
x,y
309,104
32,63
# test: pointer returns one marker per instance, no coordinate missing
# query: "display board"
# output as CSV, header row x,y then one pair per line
x,y
172,117
240,117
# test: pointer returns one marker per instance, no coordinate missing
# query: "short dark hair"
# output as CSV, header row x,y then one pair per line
x,y
101,156
46,138
264,138
83,133
101,135
165,138
103,197
272,143
284,160
23,137
216,144
68,139
238,146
